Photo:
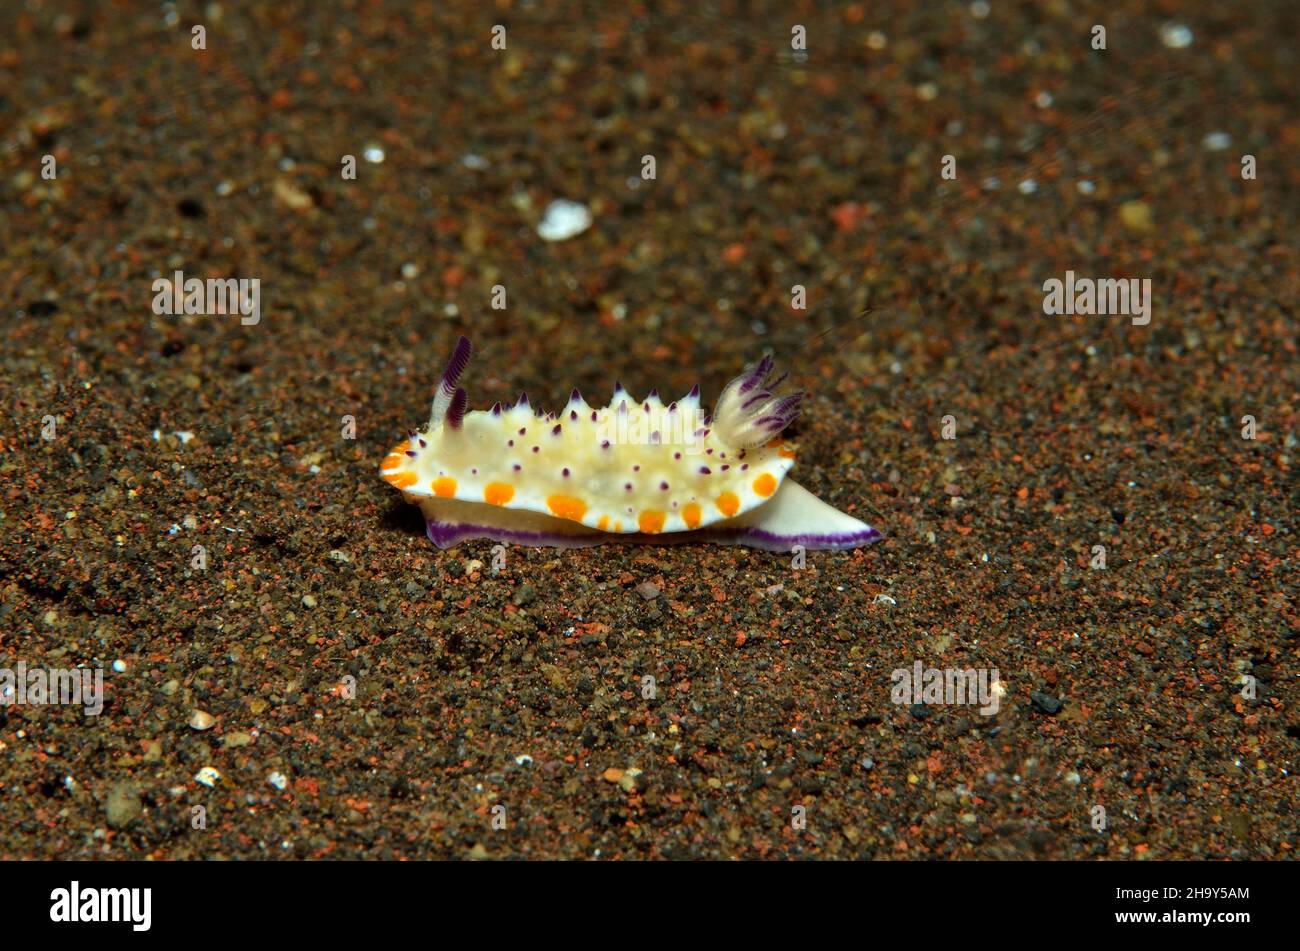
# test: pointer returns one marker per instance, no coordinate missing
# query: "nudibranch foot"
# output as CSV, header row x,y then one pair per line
x,y
793,518
634,471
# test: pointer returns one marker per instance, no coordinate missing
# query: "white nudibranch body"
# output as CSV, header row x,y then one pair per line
x,y
635,470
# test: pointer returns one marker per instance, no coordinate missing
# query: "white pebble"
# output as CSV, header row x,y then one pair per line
x,y
119,666
207,776
563,219
1175,36
373,154
1217,141
278,780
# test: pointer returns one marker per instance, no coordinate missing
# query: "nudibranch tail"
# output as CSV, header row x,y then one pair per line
x,y
752,410
795,518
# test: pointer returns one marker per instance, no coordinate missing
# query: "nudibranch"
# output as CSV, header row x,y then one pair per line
x,y
634,471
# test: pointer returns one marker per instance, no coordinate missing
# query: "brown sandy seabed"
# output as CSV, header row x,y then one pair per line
x,y
524,689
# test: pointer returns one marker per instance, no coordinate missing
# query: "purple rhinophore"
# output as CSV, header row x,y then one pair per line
x,y
456,411
458,362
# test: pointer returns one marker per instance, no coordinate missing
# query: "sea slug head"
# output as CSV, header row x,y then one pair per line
x,y
408,466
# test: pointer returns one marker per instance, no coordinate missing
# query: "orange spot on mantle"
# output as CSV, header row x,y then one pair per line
x,y
728,504
651,522
444,487
498,493
783,449
402,480
691,515
566,506
765,485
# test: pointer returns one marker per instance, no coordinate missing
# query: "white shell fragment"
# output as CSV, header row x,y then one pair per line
x,y
563,219
207,776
